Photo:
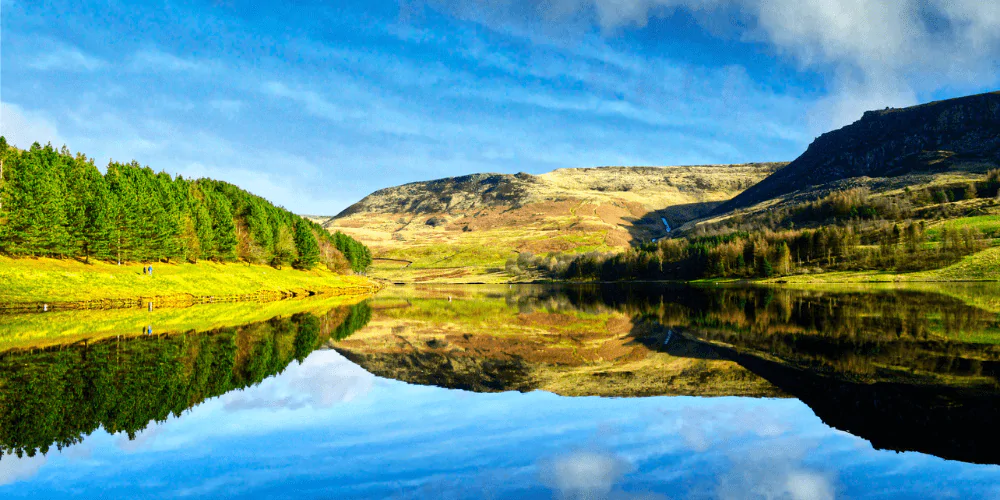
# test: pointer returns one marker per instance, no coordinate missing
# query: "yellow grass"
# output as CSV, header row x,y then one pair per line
x,y
67,280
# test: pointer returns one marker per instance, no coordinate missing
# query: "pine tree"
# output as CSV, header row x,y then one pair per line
x,y
97,206
203,227
305,244
223,227
766,270
5,152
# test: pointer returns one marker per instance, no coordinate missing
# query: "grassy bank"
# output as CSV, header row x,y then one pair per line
x,y
66,281
981,266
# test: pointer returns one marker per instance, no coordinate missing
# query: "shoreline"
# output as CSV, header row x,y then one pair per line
x,y
182,300
40,284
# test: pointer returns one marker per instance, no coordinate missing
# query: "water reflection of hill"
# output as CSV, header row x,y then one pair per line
x,y
534,338
57,395
906,370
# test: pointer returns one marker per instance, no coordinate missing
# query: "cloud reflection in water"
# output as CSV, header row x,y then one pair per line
x,y
14,468
325,378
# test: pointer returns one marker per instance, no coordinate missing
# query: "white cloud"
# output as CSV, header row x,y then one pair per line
x,y
703,428
773,469
65,59
14,469
324,379
583,474
23,128
805,485
685,112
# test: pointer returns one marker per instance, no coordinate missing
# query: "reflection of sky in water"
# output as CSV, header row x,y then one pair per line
x,y
327,428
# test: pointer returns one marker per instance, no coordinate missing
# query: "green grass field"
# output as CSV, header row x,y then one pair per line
x,y
66,280
989,225
981,266
474,257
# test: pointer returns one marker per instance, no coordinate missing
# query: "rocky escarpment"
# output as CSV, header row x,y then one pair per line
x,y
450,195
888,143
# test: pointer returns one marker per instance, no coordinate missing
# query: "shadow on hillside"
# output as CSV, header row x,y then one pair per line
x,y
651,225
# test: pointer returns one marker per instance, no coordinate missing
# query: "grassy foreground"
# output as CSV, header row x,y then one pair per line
x,y
57,281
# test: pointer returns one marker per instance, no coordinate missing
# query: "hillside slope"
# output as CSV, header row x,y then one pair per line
x,y
890,143
464,229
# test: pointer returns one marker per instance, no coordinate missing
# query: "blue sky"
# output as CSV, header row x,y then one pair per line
x,y
315,104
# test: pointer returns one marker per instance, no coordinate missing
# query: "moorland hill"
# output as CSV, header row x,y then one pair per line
x,y
466,228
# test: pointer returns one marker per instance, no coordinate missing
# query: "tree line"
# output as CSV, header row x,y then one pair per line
x,y
56,204
899,247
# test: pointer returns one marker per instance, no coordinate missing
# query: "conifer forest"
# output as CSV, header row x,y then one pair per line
x,y
57,204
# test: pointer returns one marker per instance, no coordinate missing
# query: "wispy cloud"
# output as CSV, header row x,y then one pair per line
x,y
159,61
64,58
884,51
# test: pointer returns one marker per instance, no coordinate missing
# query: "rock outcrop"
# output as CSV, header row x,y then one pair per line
x,y
450,195
888,143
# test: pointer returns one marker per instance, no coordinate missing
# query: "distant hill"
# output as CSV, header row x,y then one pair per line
x,y
888,143
466,228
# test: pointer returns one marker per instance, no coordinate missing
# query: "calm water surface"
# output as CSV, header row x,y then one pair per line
x,y
514,392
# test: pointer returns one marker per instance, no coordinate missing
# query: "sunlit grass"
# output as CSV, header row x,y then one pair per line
x,y
68,280
989,225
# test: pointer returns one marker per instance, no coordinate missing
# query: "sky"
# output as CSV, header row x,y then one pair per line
x,y
314,105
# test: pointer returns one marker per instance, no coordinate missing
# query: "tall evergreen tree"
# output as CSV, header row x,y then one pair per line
x,y
5,168
223,226
305,244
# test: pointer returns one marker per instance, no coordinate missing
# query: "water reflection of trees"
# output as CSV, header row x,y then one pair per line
x,y
860,333
906,370
57,396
